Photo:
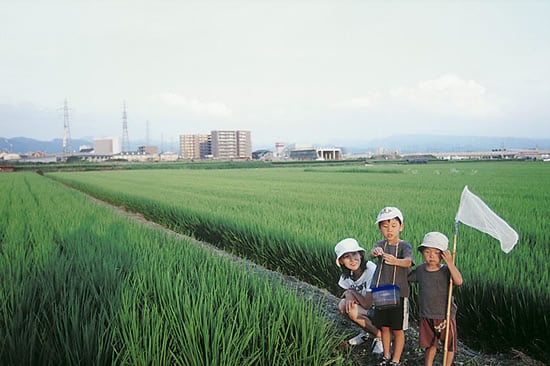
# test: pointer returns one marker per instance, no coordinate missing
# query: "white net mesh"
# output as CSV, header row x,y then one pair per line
x,y
475,213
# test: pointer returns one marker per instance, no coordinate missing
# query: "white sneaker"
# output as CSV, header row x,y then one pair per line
x,y
358,339
377,347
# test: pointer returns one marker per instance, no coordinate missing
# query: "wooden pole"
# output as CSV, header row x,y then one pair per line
x,y
449,301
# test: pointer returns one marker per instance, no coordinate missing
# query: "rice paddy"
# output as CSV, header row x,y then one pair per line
x,y
289,218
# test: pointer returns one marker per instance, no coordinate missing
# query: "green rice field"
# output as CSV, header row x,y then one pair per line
x,y
289,219
82,285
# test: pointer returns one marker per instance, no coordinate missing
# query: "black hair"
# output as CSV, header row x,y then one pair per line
x,y
363,266
396,217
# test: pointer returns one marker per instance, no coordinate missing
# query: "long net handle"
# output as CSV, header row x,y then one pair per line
x,y
449,298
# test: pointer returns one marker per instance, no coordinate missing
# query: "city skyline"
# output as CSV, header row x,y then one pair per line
x,y
318,72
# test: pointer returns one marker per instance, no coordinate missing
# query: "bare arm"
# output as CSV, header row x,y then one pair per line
x,y
354,297
456,276
399,262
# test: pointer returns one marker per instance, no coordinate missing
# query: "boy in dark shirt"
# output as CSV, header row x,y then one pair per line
x,y
433,281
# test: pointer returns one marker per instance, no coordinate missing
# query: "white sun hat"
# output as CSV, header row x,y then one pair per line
x,y
388,213
348,245
435,240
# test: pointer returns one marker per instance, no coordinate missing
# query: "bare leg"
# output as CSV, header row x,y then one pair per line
x,y
429,355
398,344
450,357
386,341
358,315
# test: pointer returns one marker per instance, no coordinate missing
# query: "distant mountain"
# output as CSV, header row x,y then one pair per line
x,y
24,145
403,143
434,143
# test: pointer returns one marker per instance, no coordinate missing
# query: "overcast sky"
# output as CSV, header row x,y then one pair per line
x,y
288,71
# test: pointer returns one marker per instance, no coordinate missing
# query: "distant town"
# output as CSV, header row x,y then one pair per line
x,y
237,145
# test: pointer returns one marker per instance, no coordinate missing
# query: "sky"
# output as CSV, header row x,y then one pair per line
x,y
302,71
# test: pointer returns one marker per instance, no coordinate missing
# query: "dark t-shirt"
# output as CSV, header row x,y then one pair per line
x,y
404,250
433,291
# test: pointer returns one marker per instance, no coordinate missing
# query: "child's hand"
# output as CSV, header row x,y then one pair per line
x,y
377,252
351,301
447,256
390,259
350,304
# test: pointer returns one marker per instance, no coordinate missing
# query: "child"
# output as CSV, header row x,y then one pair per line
x,y
433,282
395,258
355,280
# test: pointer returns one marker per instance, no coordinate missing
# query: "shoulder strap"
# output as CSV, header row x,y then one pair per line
x,y
382,263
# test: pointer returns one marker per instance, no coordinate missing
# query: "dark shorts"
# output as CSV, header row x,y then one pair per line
x,y
395,318
433,330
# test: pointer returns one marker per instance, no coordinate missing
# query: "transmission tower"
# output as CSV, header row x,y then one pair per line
x,y
125,139
66,129
147,142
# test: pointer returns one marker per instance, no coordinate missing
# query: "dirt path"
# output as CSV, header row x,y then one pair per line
x,y
355,355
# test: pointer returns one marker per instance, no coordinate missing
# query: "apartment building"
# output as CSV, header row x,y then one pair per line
x,y
196,146
219,144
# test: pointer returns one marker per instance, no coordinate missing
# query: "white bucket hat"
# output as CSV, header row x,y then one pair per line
x,y
388,213
435,240
348,245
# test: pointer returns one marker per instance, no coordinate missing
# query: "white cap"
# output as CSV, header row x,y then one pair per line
x,y
435,240
348,245
388,213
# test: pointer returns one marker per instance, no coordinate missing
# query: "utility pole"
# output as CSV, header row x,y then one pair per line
x,y
125,139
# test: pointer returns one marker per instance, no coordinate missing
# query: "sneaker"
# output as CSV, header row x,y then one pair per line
x,y
395,363
358,339
377,347
384,361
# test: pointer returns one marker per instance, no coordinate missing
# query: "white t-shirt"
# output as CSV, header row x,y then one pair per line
x,y
362,285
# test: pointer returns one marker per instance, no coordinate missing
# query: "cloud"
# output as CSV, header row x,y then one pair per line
x,y
196,106
359,102
446,95
449,94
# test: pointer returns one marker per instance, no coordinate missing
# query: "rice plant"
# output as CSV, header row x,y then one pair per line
x,y
80,284
289,219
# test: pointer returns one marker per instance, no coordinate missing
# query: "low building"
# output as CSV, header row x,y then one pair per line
x,y
135,156
153,150
262,155
308,152
6,169
109,145
9,156
168,156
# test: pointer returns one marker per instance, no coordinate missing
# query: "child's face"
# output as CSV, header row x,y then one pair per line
x,y
351,260
391,229
431,255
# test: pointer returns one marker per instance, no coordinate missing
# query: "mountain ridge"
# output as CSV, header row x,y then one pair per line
x,y
399,143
